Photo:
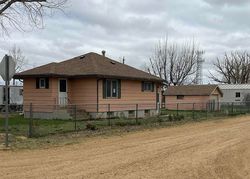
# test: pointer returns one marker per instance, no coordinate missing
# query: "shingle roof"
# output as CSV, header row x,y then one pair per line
x,y
191,90
234,87
90,64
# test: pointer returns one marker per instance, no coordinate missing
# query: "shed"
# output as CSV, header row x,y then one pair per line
x,y
189,97
235,93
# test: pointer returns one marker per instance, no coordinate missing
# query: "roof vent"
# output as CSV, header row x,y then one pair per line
x,y
83,56
103,53
112,62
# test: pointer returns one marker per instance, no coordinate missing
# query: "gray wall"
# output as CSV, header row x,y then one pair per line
x,y
229,95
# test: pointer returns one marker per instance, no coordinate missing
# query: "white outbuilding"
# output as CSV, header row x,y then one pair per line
x,y
236,93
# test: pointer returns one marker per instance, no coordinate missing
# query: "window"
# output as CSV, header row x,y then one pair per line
x,y
147,86
131,113
237,94
111,88
42,83
180,96
147,113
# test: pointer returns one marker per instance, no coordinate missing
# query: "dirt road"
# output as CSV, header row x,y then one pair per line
x,y
214,149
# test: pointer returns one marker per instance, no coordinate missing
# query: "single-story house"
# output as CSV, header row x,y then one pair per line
x,y
235,93
189,97
91,83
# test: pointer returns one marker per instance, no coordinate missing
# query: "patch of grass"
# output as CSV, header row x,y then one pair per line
x,y
62,132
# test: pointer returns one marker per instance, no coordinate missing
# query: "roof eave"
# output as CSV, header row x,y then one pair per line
x,y
22,76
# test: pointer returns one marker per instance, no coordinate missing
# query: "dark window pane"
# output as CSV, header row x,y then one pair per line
x,y
148,86
114,88
63,86
180,97
108,88
42,83
237,94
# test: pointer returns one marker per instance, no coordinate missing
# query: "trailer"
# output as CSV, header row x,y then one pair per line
x,y
15,97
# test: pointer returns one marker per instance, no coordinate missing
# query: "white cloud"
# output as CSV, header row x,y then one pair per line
x,y
131,28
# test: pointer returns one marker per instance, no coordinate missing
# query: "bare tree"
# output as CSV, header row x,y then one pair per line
x,y
20,13
233,68
175,63
19,59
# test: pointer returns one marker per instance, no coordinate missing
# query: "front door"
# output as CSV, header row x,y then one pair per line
x,y
63,95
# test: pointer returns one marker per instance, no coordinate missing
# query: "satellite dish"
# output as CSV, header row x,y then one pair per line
x,y
12,66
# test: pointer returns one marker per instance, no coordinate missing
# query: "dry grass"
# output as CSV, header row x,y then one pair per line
x,y
211,149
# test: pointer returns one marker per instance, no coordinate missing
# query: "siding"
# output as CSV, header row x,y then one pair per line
x,y
131,94
187,103
83,93
190,102
41,99
229,95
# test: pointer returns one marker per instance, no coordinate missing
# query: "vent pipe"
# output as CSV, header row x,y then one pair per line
x,y
103,53
123,60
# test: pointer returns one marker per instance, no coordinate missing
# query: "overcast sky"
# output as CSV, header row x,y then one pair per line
x,y
131,28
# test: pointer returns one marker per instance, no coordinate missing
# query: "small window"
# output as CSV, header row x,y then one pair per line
x,y
147,86
42,83
180,96
237,94
147,113
131,113
21,92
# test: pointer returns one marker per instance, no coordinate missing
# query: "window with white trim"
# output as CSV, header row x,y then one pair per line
x,y
42,83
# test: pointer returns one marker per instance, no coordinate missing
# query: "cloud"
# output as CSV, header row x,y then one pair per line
x,y
132,28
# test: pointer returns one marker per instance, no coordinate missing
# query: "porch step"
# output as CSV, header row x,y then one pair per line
x,y
81,114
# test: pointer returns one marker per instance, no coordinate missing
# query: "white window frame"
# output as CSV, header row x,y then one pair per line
x,y
40,83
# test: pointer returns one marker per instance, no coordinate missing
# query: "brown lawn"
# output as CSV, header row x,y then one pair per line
x,y
212,149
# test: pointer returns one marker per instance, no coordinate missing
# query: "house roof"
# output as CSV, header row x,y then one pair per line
x,y
88,65
234,87
191,90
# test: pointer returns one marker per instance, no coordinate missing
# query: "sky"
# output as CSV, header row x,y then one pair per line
x,y
131,29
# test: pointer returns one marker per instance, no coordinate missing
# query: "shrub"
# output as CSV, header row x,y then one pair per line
x,y
181,117
170,117
91,127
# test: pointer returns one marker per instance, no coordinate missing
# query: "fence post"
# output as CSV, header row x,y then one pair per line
x,y
136,114
206,110
232,107
109,115
193,111
31,121
75,116
177,112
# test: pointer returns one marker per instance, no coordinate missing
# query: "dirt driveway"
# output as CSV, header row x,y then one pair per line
x,y
214,149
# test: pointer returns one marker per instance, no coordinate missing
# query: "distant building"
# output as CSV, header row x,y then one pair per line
x,y
15,95
235,93
189,97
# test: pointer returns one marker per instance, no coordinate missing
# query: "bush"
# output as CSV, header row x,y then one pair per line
x,y
91,127
178,117
170,117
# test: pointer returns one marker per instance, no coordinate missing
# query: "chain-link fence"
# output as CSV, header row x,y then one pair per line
x,y
43,120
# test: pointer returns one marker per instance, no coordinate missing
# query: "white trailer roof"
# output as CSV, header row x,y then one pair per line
x,y
235,87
